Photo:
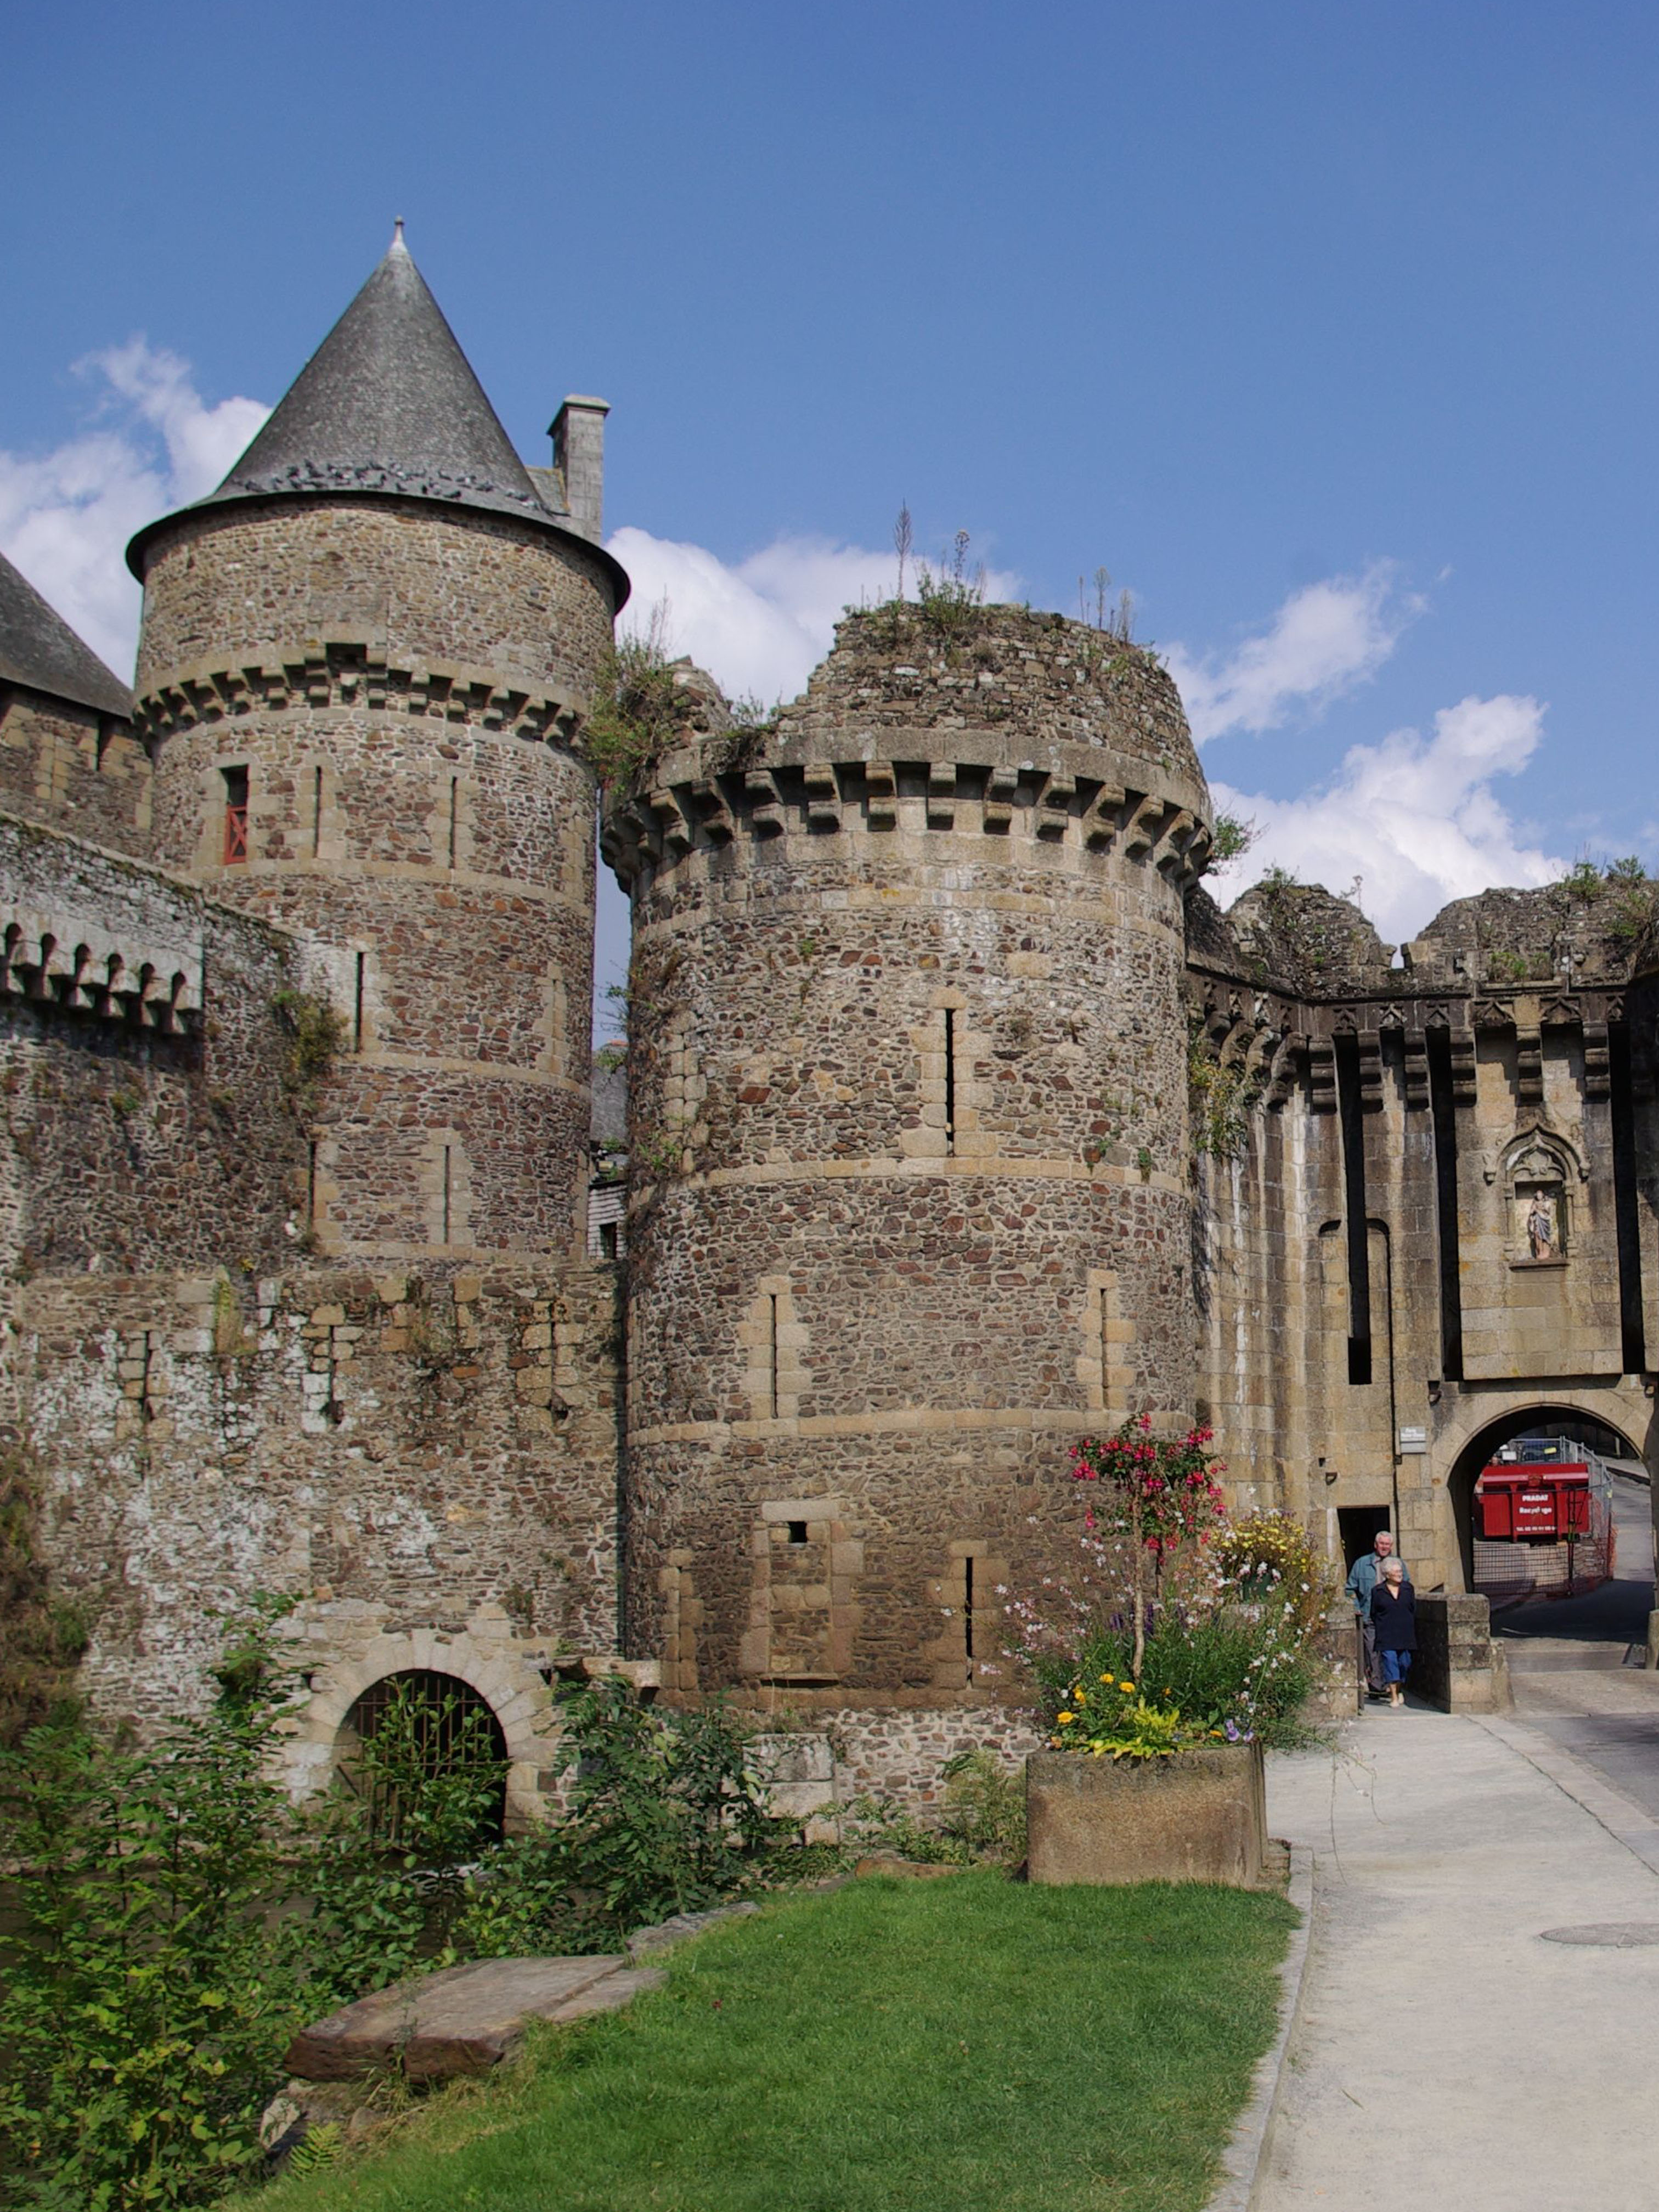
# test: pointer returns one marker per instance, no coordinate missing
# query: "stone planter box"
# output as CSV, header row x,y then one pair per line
x,y
1196,1816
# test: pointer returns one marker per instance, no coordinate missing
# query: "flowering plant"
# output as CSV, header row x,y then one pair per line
x,y
1209,1621
1115,1720
1169,1491
1271,1559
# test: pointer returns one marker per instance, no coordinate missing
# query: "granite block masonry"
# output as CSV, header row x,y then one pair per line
x,y
961,1124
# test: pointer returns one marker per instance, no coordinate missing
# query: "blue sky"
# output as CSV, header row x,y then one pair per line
x,y
1330,332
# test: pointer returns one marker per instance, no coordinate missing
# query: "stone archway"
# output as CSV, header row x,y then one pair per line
x,y
485,1656
1484,1424
439,1721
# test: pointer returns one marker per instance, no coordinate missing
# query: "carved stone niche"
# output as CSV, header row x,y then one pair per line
x,y
1538,1171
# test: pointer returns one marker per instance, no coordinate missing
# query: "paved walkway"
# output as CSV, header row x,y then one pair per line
x,y
1510,2075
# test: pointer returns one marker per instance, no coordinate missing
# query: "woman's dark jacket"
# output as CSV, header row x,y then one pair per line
x,y
1395,1618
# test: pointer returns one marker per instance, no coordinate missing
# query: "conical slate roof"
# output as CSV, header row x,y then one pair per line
x,y
387,403
38,649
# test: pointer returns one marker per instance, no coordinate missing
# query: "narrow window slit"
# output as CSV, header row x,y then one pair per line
x,y
772,1363
1444,1112
1627,1233
316,812
235,782
357,1008
454,814
968,1605
447,1149
950,1079
311,1184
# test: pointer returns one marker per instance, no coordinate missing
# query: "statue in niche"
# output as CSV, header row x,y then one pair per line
x,y
1538,1167
1541,1229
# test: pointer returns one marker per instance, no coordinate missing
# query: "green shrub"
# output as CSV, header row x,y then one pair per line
x,y
665,1816
149,1994
178,1921
872,1824
43,1632
636,708
388,1849
985,1805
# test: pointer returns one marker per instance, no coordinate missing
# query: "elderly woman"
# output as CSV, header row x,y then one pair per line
x,y
1394,1621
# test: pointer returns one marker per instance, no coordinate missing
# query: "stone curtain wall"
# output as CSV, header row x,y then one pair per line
x,y
399,1452
401,688
147,1122
1495,1061
75,768
909,1147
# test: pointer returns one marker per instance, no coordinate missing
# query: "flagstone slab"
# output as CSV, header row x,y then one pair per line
x,y
462,2021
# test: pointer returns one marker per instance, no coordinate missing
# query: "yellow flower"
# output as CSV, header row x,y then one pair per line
x,y
1127,1688
1106,1678
1064,1719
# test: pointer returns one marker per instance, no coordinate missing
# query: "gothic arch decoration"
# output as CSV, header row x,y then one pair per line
x,y
1537,1173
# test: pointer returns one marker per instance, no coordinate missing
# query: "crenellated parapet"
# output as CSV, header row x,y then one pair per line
x,y
346,672
63,962
1077,797
1044,735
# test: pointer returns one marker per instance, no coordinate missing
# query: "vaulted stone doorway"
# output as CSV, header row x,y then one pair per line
x,y
1614,1612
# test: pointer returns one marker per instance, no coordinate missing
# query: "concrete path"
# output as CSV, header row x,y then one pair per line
x,y
1511,2074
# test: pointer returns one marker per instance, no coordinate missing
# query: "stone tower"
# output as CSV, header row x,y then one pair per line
x,y
363,660
909,1138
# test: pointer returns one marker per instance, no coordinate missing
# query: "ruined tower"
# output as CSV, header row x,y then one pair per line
x,y
909,1136
363,660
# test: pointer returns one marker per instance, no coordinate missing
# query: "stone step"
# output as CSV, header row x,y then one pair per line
x,y
1545,1655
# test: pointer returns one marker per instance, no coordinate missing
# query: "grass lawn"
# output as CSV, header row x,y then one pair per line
x,y
970,2042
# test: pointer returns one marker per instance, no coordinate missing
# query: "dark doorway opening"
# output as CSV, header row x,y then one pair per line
x,y
1359,1526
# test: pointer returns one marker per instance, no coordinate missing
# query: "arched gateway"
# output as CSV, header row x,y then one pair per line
x,y
1480,1426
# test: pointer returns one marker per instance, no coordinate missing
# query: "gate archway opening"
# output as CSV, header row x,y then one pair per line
x,y
426,1754
1626,1594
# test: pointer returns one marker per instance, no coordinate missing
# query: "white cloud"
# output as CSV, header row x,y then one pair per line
x,y
1415,819
761,626
66,515
1324,639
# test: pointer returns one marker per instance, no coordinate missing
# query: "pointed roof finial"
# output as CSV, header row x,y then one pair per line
x,y
398,246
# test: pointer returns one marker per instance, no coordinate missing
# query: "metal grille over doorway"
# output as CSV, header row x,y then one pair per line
x,y
428,1725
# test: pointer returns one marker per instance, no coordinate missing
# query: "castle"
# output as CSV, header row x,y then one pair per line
x,y
962,1123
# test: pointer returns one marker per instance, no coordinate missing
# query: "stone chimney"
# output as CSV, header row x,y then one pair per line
x,y
578,434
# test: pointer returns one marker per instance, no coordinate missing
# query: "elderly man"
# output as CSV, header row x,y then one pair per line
x,y
1362,1581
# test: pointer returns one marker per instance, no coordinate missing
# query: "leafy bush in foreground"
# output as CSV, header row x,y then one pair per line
x,y
148,1995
